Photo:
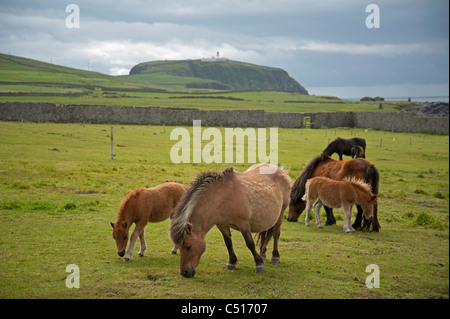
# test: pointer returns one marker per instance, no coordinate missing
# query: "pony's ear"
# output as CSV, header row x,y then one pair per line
x,y
188,228
124,224
112,224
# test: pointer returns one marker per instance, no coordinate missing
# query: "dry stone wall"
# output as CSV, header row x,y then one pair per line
x,y
49,112
384,121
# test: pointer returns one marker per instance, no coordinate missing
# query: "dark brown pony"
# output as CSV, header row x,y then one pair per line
x,y
324,165
343,146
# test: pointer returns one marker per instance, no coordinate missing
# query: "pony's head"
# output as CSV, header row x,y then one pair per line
x,y
120,234
191,249
297,205
295,210
369,207
357,151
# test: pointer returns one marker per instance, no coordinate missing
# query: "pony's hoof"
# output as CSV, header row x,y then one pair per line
x,y
275,261
173,252
126,259
349,230
140,255
230,266
259,269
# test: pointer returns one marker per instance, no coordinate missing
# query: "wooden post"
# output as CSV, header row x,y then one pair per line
x,y
112,143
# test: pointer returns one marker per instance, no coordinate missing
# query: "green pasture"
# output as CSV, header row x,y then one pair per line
x,y
59,190
269,101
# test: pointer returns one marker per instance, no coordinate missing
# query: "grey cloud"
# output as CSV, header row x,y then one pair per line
x,y
318,42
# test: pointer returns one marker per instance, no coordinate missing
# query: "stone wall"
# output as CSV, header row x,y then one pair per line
x,y
49,112
397,122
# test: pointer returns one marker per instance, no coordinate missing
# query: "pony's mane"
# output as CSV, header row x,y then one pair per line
x,y
128,200
357,182
185,208
298,189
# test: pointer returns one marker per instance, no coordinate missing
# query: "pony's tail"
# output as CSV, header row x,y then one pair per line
x,y
305,197
373,179
263,237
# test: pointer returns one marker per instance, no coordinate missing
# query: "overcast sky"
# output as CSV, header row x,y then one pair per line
x,y
325,45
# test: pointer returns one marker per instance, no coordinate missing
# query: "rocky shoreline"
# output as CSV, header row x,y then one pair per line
x,y
431,108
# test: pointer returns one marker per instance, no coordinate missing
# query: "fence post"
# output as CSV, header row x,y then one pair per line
x,y
112,143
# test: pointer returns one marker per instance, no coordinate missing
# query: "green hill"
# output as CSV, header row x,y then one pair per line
x,y
23,71
219,75
157,76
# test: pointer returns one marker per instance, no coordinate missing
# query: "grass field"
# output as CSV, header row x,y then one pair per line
x,y
269,101
59,190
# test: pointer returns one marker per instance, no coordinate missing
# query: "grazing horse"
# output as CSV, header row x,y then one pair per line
x,y
338,194
343,146
358,151
324,165
140,206
251,201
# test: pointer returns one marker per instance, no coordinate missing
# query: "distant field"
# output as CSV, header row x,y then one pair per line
x,y
59,190
269,101
27,80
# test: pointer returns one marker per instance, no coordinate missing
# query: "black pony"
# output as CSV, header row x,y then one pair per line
x,y
343,146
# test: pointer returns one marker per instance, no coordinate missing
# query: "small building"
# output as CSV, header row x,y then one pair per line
x,y
216,58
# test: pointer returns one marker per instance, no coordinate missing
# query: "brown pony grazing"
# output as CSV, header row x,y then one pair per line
x,y
343,146
338,194
140,206
249,202
358,151
324,165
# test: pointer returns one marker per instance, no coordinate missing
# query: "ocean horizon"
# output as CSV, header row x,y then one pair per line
x,y
413,98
